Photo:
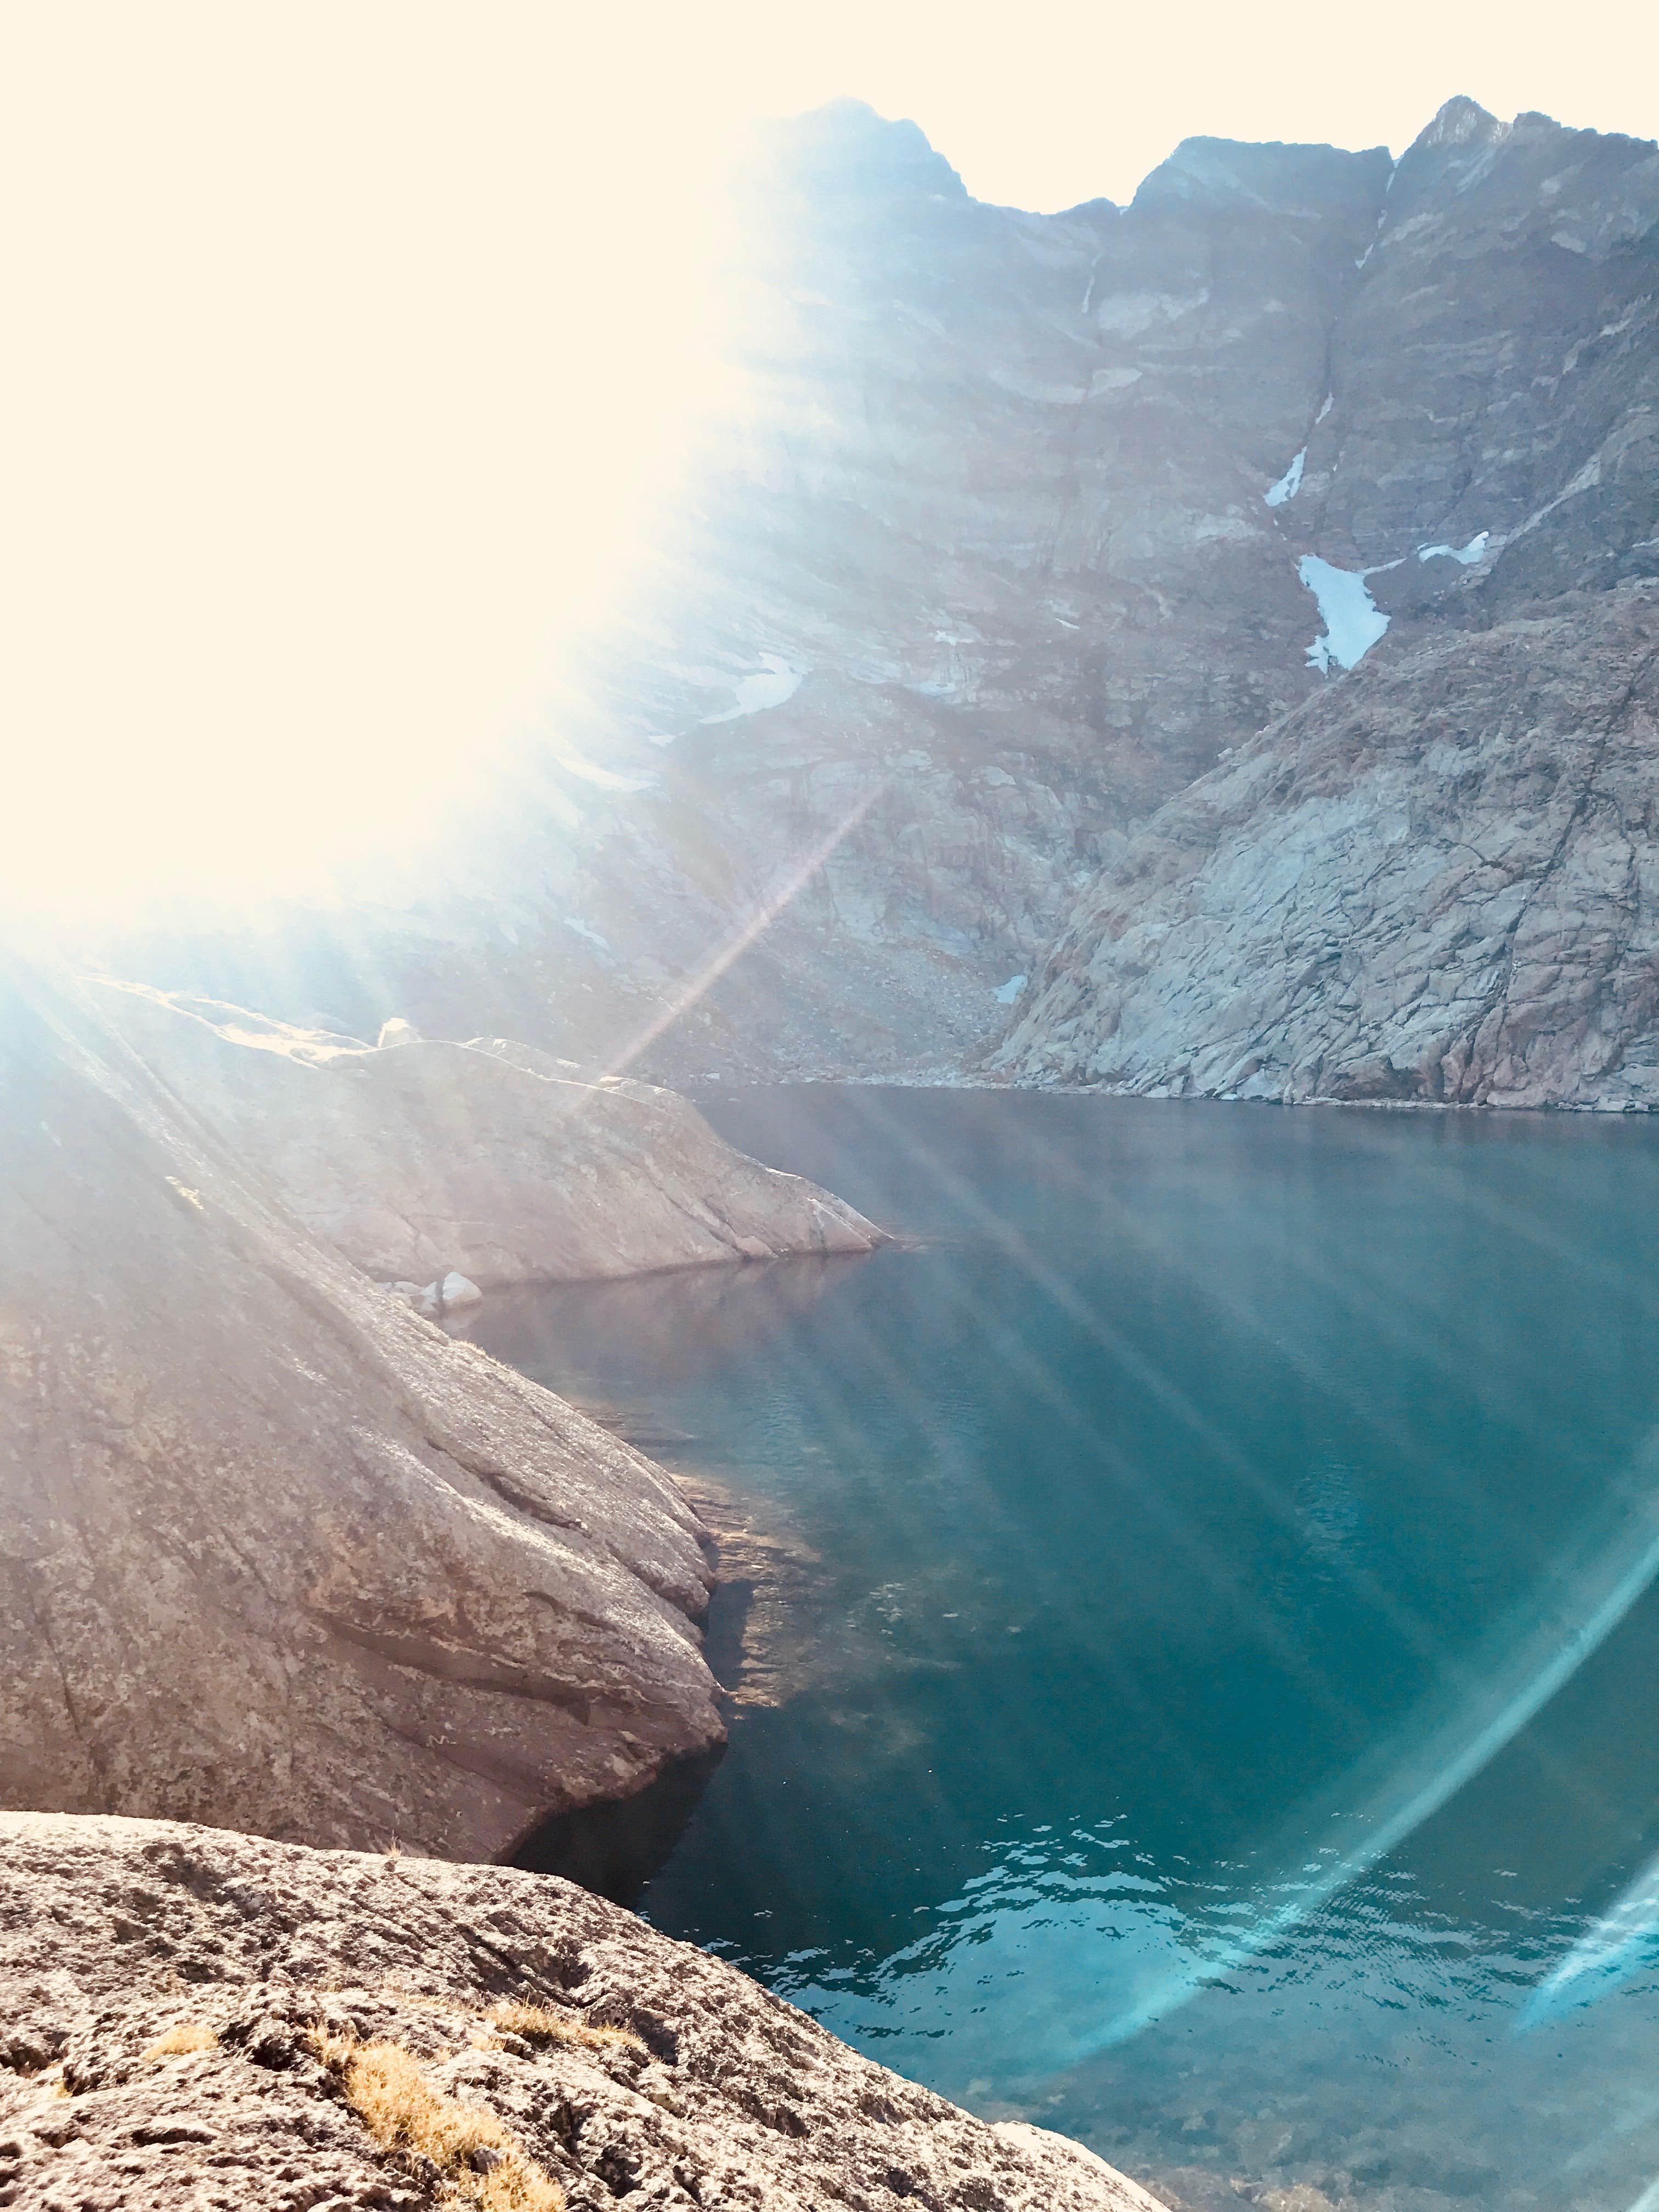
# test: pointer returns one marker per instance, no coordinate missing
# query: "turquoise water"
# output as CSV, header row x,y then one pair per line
x,y
1204,1694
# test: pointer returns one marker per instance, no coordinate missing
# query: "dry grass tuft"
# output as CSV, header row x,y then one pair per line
x,y
403,2111
191,2035
538,2023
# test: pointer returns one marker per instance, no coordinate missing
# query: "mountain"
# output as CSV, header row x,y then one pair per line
x,y
1024,526
1438,882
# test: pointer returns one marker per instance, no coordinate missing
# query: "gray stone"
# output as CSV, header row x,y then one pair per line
x,y
1438,882
275,1553
480,1165
648,2070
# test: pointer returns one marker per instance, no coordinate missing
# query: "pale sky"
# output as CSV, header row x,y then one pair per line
x,y
342,337
1043,103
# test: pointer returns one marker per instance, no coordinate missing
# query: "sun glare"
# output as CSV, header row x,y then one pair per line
x,y
355,344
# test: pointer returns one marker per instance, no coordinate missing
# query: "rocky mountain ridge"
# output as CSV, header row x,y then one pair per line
x,y
1435,885
1024,523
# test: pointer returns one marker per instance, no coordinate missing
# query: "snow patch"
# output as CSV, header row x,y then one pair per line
x,y
1354,622
587,931
1011,990
1290,483
1464,554
1325,409
769,685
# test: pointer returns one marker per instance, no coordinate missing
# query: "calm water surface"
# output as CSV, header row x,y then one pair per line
x,y
1206,1695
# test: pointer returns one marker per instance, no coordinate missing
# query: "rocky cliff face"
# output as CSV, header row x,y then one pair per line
x,y
1025,523
417,1157
1436,883
274,1552
192,2017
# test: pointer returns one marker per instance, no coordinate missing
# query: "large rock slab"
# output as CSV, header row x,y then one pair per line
x,y
416,1157
634,2067
1438,882
274,1552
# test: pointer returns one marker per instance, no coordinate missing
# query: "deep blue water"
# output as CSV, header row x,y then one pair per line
x,y
1211,1680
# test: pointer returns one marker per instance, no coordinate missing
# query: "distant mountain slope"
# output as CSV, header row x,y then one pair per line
x,y
1438,881
1023,523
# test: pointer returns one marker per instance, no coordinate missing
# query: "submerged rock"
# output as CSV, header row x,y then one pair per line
x,y
275,1553
479,1164
291,2027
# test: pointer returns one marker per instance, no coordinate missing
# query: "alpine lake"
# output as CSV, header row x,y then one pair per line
x,y
1193,1643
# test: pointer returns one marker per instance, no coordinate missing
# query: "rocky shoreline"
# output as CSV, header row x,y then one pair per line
x,y
284,1556
415,1156
203,2019
285,1559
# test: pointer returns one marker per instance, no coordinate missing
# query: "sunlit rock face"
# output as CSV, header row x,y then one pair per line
x,y
1018,527
278,1554
169,1990
418,1157
1438,881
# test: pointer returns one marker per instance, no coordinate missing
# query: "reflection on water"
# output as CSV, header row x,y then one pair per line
x,y
1226,1701
670,1328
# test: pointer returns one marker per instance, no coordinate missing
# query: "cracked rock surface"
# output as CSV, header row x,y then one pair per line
x,y
1438,882
116,1934
418,1157
275,1553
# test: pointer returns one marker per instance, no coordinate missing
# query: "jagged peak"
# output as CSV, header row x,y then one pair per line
x,y
848,142
1285,178
1461,122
